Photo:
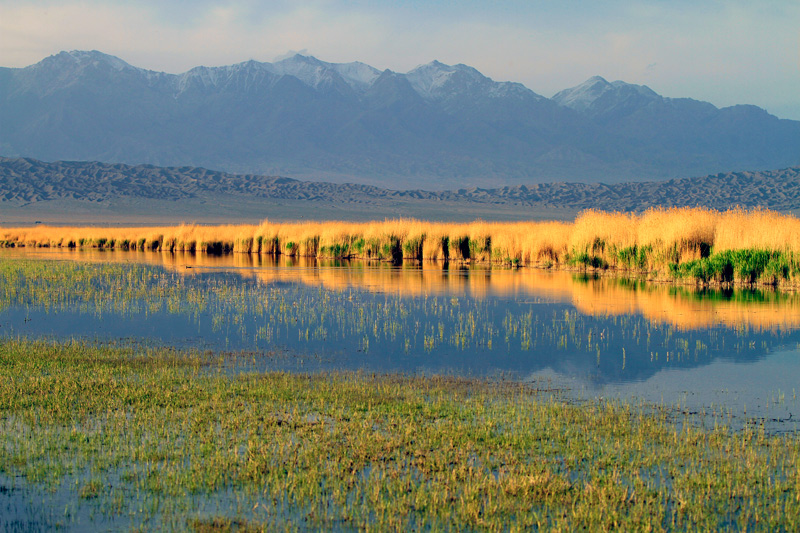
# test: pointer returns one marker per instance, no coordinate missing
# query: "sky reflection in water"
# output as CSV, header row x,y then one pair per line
x,y
733,352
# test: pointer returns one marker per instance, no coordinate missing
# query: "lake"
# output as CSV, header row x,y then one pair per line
x,y
731,352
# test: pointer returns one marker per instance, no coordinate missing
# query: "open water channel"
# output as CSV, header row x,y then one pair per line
x,y
735,353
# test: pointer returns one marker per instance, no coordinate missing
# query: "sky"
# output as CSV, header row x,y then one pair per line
x,y
724,52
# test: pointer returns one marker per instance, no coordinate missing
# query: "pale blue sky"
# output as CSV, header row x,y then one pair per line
x,y
725,52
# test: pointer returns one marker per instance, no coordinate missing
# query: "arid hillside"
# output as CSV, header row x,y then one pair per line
x,y
27,181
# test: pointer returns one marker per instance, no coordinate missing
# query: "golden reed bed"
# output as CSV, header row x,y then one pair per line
x,y
645,242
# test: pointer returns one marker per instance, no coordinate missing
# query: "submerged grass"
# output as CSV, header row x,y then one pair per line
x,y
702,245
260,315
150,437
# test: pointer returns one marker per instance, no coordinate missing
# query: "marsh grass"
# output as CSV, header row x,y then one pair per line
x,y
150,435
687,243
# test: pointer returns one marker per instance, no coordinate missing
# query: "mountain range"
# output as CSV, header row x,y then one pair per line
x,y
28,183
435,127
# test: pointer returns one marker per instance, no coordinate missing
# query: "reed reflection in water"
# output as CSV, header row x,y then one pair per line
x,y
683,306
735,350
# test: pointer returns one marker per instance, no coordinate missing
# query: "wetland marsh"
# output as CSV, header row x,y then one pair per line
x,y
684,245
148,389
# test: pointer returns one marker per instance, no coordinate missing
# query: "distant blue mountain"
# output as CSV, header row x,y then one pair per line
x,y
437,127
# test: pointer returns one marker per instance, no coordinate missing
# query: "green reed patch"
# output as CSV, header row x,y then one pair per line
x,y
739,266
152,438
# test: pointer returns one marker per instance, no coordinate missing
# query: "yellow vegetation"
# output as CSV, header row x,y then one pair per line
x,y
649,242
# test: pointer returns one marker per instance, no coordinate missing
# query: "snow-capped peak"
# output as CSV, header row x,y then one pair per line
x,y
308,69
315,73
245,75
584,95
428,79
96,58
83,59
437,80
587,94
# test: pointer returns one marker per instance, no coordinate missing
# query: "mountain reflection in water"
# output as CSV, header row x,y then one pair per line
x,y
601,335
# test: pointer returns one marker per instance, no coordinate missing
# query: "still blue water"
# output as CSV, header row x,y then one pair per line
x,y
734,352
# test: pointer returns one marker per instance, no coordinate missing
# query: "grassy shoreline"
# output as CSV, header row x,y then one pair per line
x,y
691,245
149,437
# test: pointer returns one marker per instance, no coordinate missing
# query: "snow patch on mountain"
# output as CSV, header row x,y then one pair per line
x,y
359,75
428,79
310,70
96,58
584,96
505,89
67,68
77,60
247,75
204,76
436,80
320,74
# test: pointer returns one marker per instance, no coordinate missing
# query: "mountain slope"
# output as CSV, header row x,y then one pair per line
x,y
24,181
438,126
739,136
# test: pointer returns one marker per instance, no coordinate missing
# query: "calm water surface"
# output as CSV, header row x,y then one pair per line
x,y
729,352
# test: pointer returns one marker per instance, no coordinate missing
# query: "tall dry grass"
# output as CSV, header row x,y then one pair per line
x,y
650,241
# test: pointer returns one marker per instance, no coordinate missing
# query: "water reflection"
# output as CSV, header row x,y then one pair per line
x,y
598,336
684,307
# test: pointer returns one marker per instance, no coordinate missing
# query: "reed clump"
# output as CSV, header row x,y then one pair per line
x,y
694,244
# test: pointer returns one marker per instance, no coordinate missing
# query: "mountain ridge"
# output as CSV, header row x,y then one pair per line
x,y
436,126
26,180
